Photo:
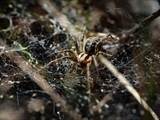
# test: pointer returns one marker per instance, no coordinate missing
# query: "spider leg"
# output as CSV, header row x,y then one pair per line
x,y
73,57
77,46
83,43
96,64
109,35
67,50
103,53
95,61
107,38
82,40
97,70
89,83
53,61
89,80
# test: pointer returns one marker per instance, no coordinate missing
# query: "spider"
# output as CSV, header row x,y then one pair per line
x,y
86,50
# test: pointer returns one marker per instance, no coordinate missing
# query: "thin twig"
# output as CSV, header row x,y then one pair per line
x,y
137,27
41,82
53,61
127,85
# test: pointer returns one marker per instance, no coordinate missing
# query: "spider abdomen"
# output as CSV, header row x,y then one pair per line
x,y
84,59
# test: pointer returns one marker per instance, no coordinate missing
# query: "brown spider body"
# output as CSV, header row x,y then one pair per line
x,y
86,52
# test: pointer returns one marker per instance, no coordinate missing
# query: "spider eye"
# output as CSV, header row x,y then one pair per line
x,y
90,47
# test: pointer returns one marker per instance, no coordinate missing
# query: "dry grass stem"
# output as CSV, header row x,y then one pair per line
x,y
127,85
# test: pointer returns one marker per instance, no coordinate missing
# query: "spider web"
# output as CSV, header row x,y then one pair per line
x,y
70,80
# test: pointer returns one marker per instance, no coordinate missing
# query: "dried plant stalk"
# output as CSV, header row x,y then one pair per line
x,y
137,27
127,85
